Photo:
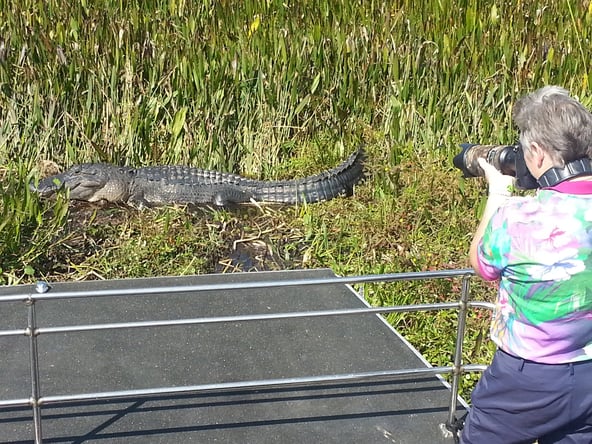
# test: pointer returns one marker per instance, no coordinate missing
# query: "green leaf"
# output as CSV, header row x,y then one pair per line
x,y
303,104
179,122
315,83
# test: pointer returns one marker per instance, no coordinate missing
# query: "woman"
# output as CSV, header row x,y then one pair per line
x,y
539,384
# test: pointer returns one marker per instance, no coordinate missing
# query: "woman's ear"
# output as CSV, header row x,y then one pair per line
x,y
539,155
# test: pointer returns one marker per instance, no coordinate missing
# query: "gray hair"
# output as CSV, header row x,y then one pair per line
x,y
557,122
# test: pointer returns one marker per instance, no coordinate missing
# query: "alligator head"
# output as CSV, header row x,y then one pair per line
x,y
90,182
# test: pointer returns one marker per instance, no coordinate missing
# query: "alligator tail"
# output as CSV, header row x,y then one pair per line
x,y
338,181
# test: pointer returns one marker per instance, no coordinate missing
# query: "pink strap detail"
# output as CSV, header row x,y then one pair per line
x,y
573,187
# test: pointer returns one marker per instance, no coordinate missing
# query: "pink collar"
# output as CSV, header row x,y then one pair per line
x,y
572,187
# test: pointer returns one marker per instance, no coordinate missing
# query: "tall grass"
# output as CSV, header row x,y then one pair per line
x,y
230,84
270,89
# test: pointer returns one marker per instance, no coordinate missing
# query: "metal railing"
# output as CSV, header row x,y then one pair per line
x,y
42,293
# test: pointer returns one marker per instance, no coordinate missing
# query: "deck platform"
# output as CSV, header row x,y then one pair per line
x,y
402,409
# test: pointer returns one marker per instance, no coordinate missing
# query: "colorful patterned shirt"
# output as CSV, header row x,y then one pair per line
x,y
540,247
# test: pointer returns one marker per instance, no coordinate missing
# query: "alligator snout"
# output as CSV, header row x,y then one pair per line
x,y
46,187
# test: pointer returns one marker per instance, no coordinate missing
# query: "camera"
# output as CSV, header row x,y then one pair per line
x,y
508,159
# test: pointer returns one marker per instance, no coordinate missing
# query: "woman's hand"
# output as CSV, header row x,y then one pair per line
x,y
499,184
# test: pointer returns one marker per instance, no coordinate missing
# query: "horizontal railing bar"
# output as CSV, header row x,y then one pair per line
x,y
482,304
18,332
392,277
253,385
246,318
474,367
24,402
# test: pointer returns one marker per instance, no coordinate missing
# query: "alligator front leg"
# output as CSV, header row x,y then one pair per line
x,y
138,201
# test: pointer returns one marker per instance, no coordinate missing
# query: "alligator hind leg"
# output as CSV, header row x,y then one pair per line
x,y
219,200
228,195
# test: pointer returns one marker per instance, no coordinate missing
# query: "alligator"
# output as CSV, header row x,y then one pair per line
x,y
168,185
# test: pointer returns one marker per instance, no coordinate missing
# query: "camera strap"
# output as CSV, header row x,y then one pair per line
x,y
576,168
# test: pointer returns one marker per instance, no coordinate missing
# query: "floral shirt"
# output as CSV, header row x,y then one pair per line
x,y
540,247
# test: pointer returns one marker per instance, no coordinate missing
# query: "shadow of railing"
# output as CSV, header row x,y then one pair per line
x,y
43,292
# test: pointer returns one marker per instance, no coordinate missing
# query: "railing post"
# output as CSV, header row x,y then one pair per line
x,y
457,368
40,287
